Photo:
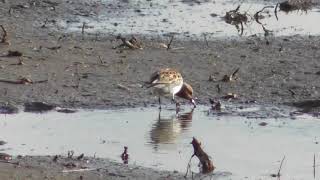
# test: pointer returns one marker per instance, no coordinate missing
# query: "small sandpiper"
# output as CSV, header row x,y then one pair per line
x,y
169,82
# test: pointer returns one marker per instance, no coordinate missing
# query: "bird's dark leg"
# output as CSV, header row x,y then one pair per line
x,y
159,103
177,104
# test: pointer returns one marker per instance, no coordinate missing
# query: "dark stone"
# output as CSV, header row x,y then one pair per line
x,y
2,142
8,109
38,107
66,110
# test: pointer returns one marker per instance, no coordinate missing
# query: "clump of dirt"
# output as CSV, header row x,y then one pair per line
x,y
292,5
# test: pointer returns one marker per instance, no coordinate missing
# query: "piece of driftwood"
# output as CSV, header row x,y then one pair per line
x,y
206,164
22,80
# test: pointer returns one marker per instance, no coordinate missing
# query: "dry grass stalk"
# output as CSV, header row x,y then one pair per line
x,y
4,38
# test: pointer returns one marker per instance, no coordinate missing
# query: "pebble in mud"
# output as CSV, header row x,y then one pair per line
x,y
263,124
2,142
38,107
8,109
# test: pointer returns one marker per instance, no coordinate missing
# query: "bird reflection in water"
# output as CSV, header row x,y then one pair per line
x,y
166,130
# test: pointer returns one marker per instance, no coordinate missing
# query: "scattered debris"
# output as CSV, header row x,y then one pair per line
x,y
215,105
5,157
234,17
55,158
19,63
257,15
232,77
7,108
230,96
292,5
133,43
54,47
263,124
70,154
211,78
205,162
120,86
38,107
170,42
65,110
22,80
4,38
80,157
2,142
70,165
314,166
13,54
278,174
125,155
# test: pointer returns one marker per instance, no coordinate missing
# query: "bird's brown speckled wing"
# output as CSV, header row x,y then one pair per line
x,y
165,76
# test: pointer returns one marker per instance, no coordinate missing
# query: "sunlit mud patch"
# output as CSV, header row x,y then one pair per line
x,y
238,142
192,18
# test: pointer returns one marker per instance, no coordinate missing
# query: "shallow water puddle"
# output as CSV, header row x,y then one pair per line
x,y
237,144
191,19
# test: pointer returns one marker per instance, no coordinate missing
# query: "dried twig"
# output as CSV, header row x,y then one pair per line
x,y
206,164
276,11
70,154
83,28
205,39
79,170
170,42
22,80
4,35
232,77
256,15
133,43
278,174
314,166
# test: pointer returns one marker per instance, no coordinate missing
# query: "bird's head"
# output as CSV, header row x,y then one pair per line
x,y
186,92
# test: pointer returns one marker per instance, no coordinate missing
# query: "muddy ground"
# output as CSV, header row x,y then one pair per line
x,y
87,71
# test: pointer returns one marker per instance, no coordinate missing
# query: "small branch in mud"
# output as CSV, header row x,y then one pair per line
x,y
80,157
234,17
292,5
22,80
82,29
45,23
257,15
4,38
314,166
215,105
125,155
232,77
280,166
70,154
170,42
133,43
13,54
292,93
206,164
19,63
279,174
205,39
276,11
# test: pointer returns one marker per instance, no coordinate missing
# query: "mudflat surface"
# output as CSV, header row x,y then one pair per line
x,y
285,70
87,71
